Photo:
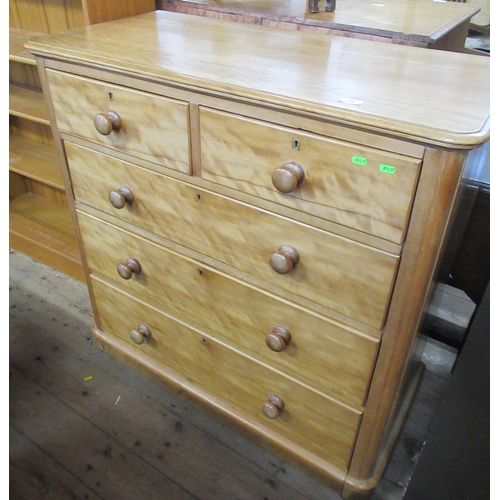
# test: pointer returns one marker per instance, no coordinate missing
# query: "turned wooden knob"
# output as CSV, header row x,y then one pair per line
x,y
105,123
130,267
288,177
122,197
285,259
279,338
273,407
142,333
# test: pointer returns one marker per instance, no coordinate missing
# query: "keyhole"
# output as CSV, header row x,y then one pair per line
x,y
296,144
110,96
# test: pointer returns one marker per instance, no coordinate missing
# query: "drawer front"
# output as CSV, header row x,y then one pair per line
x,y
356,186
349,278
319,352
153,128
310,420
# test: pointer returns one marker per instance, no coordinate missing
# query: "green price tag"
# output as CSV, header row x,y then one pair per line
x,y
387,169
359,160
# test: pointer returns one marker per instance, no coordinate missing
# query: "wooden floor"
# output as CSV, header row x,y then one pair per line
x,y
82,426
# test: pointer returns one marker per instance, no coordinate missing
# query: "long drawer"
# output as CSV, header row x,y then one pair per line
x,y
316,423
322,353
354,185
352,279
151,127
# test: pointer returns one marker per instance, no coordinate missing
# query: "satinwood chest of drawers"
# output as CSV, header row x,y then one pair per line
x,y
261,214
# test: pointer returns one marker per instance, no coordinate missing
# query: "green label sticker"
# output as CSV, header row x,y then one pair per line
x,y
387,169
359,160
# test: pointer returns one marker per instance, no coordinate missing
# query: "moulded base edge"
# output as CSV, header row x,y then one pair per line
x,y
362,489
229,415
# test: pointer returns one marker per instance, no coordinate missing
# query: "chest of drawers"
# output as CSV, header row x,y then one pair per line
x,y
260,215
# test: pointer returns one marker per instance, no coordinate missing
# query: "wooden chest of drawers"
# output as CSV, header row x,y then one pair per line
x,y
261,214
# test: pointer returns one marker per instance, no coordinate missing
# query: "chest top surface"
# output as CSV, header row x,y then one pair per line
x,y
433,97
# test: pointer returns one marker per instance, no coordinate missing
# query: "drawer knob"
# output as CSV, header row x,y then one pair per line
x,y
130,267
122,197
285,259
141,334
279,338
105,123
273,407
288,177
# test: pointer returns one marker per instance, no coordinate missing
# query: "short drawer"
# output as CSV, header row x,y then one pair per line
x,y
356,186
153,127
320,352
314,422
352,279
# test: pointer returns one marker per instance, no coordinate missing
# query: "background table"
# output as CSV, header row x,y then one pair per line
x,y
422,23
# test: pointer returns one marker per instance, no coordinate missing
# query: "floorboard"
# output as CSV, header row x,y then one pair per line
x,y
36,475
84,426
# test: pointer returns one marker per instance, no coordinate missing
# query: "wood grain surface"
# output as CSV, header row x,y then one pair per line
x,y
153,128
50,320
418,21
305,72
243,154
330,356
352,279
264,253
319,424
